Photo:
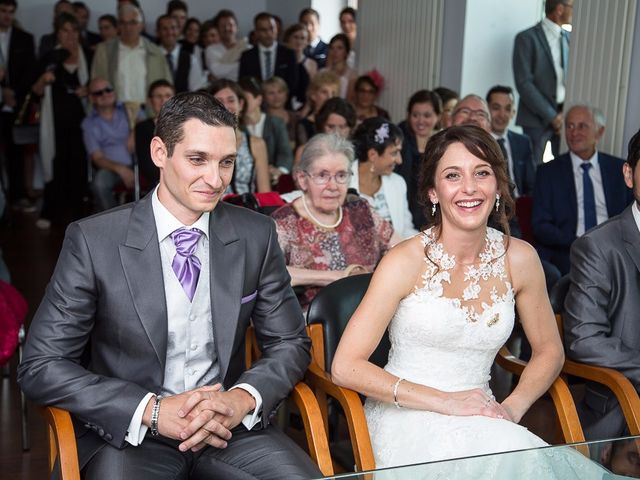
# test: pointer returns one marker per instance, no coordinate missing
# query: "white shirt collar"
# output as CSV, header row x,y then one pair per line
x,y
576,161
636,213
272,48
315,43
498,136
174,52
551,27
166,223
140,45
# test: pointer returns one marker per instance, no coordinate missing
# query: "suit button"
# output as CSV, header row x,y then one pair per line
x,y
101,432
87,425
94,428
108,437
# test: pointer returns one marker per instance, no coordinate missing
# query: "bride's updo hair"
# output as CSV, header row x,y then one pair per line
x,y
480,144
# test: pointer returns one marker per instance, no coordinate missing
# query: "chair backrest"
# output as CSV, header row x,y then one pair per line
x,y
558,293
333,306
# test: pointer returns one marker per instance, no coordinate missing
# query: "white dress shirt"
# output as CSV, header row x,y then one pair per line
x,y
636,214
507,147
191,357
598,190
553,33
197,78
263,67
224,62
131,79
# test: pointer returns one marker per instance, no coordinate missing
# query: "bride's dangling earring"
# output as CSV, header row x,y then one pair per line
x,y
433,209
497,202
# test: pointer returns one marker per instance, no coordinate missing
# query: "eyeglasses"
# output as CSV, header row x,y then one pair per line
x,y
99,93
324,178
467,112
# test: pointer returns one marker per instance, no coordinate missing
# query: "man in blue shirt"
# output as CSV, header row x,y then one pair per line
x,y
108,142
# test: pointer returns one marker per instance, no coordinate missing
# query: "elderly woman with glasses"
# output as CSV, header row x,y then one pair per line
x,y
327,234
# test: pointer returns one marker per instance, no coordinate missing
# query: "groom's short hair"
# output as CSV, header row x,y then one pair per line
x,y
185,106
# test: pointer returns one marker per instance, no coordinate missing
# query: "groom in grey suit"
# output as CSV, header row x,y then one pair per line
x,y
602,307
141,333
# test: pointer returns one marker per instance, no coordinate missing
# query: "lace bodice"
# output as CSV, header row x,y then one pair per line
x,y
449,341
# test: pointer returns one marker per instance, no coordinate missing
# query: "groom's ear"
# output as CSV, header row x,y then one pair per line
x,y
158,151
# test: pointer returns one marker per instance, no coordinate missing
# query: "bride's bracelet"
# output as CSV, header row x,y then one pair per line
x,y
395,392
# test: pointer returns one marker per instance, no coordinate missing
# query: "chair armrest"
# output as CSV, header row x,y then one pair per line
x,y
560,394
354,414
316,435
62,442
620,385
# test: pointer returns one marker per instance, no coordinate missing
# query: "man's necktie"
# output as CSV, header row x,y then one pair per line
x,y
589,198
267,65
185,264
172,67
503,149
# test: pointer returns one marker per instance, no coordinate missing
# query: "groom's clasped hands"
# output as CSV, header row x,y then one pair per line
x,y
203,416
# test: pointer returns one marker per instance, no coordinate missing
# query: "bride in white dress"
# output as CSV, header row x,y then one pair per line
x,y
447,296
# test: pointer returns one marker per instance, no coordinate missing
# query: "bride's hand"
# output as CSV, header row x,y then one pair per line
x,y
473,402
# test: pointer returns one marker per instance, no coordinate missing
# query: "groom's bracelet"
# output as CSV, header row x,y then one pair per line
x,y
155,413
395,392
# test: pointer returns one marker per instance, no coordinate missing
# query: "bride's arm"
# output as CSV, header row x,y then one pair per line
x,y
394,279
536,315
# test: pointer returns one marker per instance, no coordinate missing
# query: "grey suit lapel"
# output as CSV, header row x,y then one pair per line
x,y
226,272
142,265
631,235
542,39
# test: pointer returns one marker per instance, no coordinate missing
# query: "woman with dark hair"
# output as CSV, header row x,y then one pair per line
x,y
365,96
62,76
448,297
296,37
337,55
378,144
271,129
449,100
423,112
251,172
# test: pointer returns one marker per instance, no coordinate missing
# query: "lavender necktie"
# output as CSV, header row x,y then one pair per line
x,y
185,264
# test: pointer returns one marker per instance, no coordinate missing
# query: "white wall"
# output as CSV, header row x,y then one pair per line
x,y
490,28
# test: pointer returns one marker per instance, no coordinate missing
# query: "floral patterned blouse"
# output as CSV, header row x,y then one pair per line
x,y
361,238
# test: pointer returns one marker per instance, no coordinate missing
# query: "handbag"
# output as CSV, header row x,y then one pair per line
x,y
26,128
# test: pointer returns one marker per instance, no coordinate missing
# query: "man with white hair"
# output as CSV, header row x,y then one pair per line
x,y
578,190
130,62
472,110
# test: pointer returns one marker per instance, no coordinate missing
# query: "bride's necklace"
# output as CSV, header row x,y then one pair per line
x,y
318,222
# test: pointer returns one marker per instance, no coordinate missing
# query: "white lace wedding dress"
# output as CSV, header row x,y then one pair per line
x,y
449,343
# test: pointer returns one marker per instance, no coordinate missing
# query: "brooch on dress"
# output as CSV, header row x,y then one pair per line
x,y
495,318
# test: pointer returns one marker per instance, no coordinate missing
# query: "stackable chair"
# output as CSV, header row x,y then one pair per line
x,y
621,386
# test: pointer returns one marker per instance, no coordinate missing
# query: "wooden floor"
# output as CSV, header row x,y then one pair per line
x,y
31,255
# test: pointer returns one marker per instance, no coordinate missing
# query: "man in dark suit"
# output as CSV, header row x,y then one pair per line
x,y
317,49
161,292
603,306
88,38
268,58
577,190
515,147
186,70
17,59
540,60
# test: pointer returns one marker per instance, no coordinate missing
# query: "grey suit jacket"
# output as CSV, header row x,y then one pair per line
x,y
107,292
602,308
535,78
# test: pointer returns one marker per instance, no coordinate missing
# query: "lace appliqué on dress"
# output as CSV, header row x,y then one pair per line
x,y
491,266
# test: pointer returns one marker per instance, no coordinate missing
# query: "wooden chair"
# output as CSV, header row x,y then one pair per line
x,y
62,440
318,375
621,386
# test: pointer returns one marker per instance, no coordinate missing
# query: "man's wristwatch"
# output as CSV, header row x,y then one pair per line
x,y
155,413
